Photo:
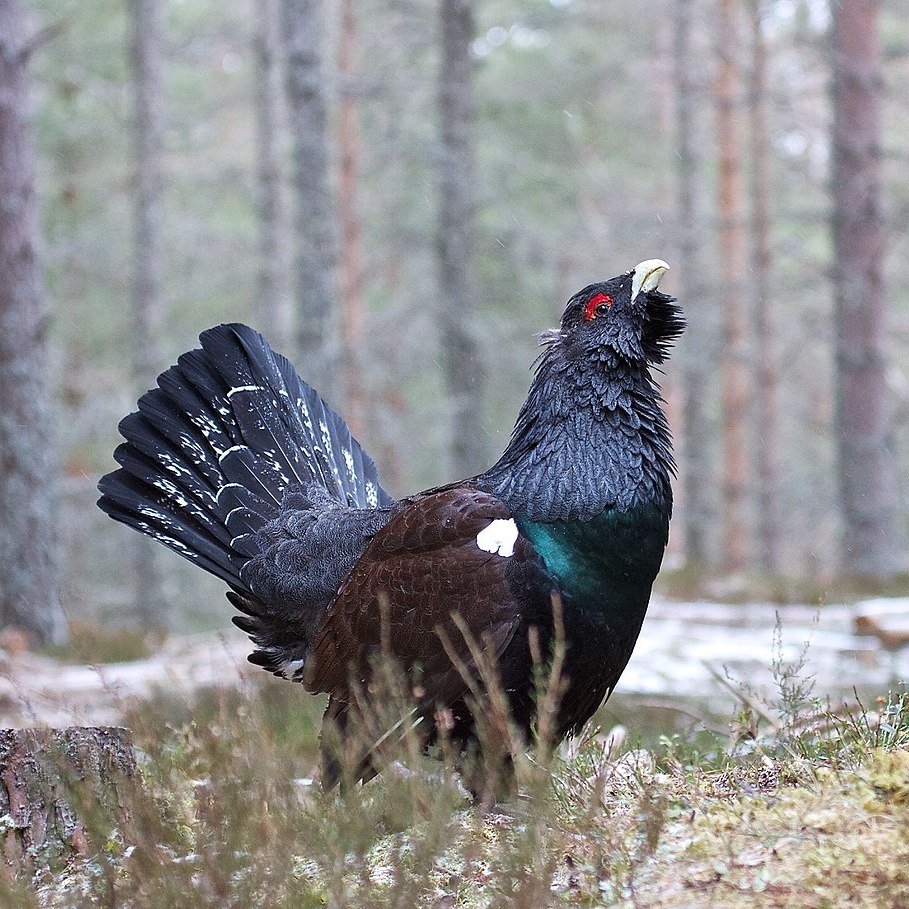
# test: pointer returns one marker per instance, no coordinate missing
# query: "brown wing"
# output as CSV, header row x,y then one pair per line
x,y
423,567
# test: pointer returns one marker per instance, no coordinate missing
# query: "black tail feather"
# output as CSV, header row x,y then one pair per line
x,y
134,503
212,450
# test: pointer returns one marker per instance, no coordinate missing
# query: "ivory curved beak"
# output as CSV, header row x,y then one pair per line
x,y
646,276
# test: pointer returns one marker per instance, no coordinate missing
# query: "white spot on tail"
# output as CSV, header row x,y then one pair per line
x,y
227,451
326,436
239,388
289,668
499,537
349,463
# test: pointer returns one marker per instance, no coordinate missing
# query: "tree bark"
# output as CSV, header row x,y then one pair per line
x,y
147,259
314,236
695,366
56,787
273,286
869,489
770,556
352,315
28,467
457,227
733,267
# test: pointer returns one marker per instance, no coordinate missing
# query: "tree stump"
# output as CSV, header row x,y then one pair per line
x,y
59,785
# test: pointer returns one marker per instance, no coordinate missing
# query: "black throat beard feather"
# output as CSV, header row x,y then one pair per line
x,y
591,434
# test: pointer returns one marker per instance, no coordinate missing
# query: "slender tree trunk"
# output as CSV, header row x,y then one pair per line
x,y
456,238
28,470
273,281
351,272
145,291
60,787
314,237
695,457
869,489
733,267
767,367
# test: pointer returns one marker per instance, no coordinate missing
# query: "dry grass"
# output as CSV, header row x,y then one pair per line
x,y
798,806
91,642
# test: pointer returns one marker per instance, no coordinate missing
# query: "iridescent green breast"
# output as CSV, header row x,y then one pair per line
x,y
607,564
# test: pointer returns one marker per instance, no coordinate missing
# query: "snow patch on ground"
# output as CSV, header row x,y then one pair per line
x,y
682,650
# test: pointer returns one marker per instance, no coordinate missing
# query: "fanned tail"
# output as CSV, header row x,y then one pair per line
x,y
212,450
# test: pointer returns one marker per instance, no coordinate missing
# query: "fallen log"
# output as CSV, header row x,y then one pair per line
x,y
60,786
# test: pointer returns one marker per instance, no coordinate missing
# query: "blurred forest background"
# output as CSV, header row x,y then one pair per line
x,y
400,193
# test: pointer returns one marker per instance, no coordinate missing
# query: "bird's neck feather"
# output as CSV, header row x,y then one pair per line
x,y
590,438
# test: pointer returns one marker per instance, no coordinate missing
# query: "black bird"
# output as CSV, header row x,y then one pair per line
x,y
237,464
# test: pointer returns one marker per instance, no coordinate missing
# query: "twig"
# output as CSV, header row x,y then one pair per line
x,y
706,721
754,704
41,37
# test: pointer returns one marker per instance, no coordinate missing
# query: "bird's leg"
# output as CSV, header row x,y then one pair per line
x,y
489,782
340,765
331,745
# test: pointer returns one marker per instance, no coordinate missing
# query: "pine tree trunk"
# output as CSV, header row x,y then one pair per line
x,y
147,260
733,266
869,489
314,235
28,468
694,458
767,368
464,374
56,787
351,272
273,286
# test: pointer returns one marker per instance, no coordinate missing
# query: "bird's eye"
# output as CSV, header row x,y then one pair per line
x,y
597,306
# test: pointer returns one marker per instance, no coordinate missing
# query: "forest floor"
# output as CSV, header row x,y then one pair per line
x,y
687,651
737,769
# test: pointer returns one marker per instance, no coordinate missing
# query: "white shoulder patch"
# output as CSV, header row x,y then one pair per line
x,y
499,537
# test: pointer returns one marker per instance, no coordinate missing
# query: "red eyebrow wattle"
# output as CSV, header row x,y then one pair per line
x,y
593,303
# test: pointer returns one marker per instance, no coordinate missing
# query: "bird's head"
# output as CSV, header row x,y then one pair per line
x,y
626,316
